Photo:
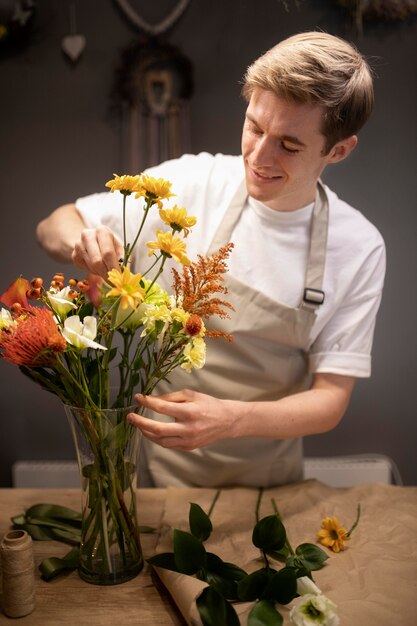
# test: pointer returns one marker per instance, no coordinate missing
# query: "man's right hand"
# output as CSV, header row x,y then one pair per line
x,y
98,251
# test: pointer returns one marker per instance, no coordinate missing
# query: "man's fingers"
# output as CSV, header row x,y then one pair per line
x,y
98,251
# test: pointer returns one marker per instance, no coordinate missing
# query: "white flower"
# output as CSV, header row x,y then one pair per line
x,y
195,354
81,334
6,319
313,610
305,585
60,301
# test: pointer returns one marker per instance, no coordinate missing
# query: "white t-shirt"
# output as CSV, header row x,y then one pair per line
x,y
270,253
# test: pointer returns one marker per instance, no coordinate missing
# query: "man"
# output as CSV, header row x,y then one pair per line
x,y
305,277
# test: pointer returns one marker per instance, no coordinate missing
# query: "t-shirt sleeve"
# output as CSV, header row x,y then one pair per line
x,y
344,344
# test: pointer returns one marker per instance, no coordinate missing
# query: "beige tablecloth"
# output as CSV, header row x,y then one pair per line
x,y
373,582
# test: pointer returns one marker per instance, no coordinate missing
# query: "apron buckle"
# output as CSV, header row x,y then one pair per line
x,y
313,296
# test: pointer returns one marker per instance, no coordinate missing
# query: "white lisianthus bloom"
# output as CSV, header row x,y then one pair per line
x,y
60,301
81,334
314,609
306,585
195,354
6,319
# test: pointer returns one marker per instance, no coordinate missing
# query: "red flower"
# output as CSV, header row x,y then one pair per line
x,y
16,292
193,325
35,340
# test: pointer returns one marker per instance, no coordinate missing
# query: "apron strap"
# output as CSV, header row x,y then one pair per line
x,y
313,293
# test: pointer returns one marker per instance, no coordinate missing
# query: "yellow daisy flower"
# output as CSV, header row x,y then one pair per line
x,y
169,246
125,184
155,189
178,219
332,534
126,286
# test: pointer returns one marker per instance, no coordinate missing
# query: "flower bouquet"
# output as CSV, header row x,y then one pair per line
x,y
72,338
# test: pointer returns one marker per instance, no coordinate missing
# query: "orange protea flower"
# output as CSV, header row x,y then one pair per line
x,y
332,534
178,219
127,286
16,293
154,190
170,246
196,287
125,184
34,341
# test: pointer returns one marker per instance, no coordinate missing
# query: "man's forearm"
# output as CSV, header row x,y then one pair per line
x,y
314,411
58,233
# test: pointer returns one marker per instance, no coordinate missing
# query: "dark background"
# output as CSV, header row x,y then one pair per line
x,y
59,140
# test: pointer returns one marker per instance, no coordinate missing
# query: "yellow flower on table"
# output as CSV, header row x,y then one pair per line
x,y
178,219
170,246
125,184
155,189
332,534
127,286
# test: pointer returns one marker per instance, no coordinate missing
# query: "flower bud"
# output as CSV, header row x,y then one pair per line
x,y
73,294
72,282
59,277
193,325
83,285
16,309
36,282
33,294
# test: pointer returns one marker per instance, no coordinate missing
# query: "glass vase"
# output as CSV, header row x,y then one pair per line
x,y
107,449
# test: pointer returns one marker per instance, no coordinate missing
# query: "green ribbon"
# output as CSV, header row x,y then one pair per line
x,y
52,522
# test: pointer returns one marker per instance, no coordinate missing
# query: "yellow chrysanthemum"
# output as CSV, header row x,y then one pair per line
x,y
126,286
156,189
125,184
178,219
195,354
332,534
170,246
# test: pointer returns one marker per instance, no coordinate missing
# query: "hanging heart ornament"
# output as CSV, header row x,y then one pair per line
x,y
73,46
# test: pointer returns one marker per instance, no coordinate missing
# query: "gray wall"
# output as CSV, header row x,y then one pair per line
x,y
58,142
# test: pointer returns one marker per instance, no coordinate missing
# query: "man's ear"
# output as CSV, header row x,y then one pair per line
x,y
342,149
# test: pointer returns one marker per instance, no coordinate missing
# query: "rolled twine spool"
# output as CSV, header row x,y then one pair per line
x,y
18,570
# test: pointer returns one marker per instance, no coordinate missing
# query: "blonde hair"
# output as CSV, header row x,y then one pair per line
x,y
315,67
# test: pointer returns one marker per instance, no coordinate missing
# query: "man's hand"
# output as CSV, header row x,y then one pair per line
x,y
200,419
98,250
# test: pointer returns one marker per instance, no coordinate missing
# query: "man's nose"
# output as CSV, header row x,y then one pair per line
x,y
264,153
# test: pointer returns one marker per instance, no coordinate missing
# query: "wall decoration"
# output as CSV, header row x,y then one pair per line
x,y
152,89
16,22
378,10
73,44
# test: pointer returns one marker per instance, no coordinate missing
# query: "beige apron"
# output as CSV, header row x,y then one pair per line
x,y
266,361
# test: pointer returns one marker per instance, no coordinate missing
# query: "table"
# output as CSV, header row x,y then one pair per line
x,y
373,583
67,600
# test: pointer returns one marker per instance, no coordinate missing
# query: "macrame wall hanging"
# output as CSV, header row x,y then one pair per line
x,y
154,85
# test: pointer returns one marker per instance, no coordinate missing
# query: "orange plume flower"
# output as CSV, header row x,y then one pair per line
x,y
199,282
35,340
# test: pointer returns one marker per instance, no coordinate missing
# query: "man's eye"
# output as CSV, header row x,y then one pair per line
x,y
291,150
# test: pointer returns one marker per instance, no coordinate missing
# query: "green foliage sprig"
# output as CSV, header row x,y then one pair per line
x,y
228,583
